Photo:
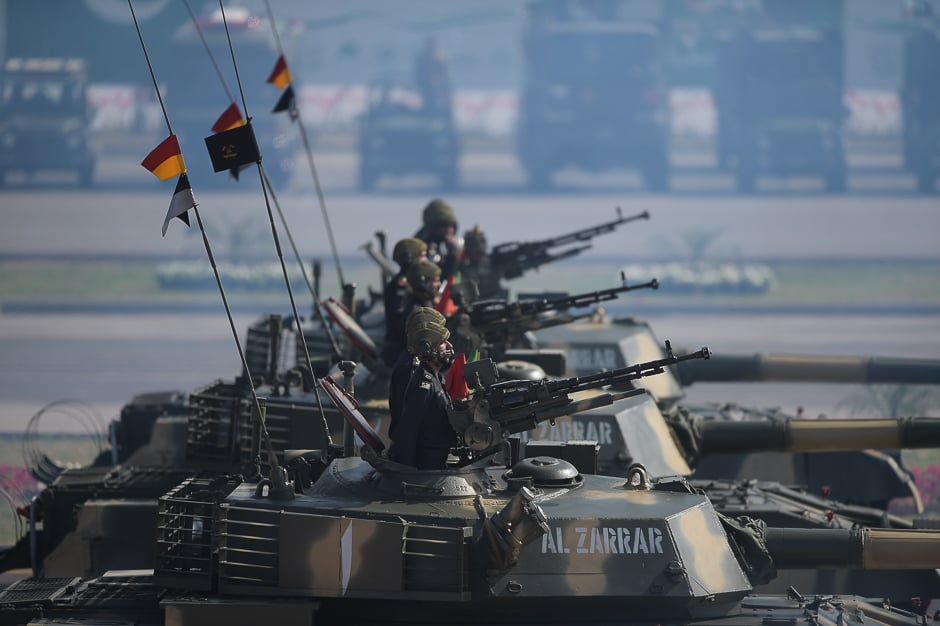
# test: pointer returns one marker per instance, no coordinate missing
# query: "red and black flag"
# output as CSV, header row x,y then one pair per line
x,y
280,76
166,160
287,102
230,118
182,201
233,149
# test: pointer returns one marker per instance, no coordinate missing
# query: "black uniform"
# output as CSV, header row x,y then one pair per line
x,y
422,435
438,253
398,383
397,307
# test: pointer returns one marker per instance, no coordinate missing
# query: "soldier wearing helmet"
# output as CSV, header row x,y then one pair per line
x,y
407,362
439,231
396,293
422,435
424,289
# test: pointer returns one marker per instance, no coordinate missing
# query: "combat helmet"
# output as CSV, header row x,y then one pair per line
x,y
425,337
424,315
438,212
420,275
408,250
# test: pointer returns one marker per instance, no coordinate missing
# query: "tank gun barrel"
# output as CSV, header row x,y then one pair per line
x,y
859,548
810,368
820,435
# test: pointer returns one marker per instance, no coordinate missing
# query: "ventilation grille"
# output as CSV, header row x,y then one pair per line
x,y
186,522
436,558
249,546
215,414
34,591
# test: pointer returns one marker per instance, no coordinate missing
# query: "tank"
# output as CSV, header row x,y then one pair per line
x,y
333,538
876,477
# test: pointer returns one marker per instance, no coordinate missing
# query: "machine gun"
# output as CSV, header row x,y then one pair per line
x,y
498,409
512,259
499,322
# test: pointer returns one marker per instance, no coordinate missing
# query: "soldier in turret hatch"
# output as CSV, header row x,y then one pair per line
x,y
439,231
406,363
396,296
422,435
424,289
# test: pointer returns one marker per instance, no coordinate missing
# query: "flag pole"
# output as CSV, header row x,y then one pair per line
x,y
303,270
313,168
277,245
272,458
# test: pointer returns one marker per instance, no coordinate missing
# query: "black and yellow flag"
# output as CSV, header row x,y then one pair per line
x,y
233,148
287,102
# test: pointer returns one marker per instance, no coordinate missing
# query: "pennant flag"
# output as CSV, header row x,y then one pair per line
x,y
233,148
231,118
446,304
454,382
166,160
280,75
287,102
182,201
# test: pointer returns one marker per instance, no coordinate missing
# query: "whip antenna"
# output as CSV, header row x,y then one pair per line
x,y
310,160
277,245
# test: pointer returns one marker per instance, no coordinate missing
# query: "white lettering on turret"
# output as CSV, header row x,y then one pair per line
x,y
582,535
605,540
600,431
554,544
593,359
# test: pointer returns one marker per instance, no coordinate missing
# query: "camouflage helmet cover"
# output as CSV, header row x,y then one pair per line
x,y
420,274
425,325
439,212
424,315
407,250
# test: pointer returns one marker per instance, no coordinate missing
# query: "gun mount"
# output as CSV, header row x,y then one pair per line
x,y
499,409
514,258
498,324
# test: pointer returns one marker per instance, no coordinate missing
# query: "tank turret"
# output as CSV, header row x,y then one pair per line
x,y
878,477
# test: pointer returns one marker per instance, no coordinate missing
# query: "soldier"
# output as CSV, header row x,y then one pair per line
x,y
396,295
407,362
439,231
422,435
424,287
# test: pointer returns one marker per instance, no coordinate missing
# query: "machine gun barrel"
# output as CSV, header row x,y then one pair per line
x,y
624,374
488,313
858,548
587,234
500,409
809,368
820,435
512,259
